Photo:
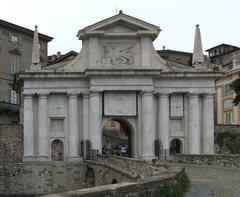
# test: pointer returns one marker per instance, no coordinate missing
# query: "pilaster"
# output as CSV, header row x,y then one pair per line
x,y
28,136
207,125
148,129
95,133
73,127
163,123
43,144
194,137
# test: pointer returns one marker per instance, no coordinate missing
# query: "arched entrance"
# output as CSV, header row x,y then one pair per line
x,y
175,146
57,153
90,178
117,138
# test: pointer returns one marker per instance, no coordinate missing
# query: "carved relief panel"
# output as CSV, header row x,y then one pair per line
x,y
117,54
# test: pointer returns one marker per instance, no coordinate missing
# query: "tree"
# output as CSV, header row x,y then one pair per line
x,y
235,85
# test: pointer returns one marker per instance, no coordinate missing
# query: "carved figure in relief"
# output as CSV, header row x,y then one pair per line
x,y
113,55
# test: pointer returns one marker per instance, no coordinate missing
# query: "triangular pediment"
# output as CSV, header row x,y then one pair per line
x,y
120,23
121,27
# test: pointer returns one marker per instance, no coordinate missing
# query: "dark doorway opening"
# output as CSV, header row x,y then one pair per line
x,y
117,138
175,146
90,178
114,181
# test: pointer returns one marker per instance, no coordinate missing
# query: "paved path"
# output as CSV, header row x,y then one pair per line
x,y
221,181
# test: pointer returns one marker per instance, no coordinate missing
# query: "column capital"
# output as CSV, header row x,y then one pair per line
x,y
28,95
43,95
193,94
85,94
72,94
148,92
95,92
163,95
208,95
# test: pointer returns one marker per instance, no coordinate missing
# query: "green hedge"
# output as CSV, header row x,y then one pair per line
x,y
230,140
182,186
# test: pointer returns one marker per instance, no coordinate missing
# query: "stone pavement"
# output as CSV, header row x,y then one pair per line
x,y
221,181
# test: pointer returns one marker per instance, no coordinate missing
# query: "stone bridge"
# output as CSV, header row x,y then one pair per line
x,y
119,176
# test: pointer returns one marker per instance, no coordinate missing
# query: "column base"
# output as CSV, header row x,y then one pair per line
x,y
29,158
36,159
148,157
42,158
164,154
74,159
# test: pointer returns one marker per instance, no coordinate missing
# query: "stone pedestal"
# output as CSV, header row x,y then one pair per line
x,y
95,132
28,140
73,128
163,123
208,125
43,144
148,128
194,137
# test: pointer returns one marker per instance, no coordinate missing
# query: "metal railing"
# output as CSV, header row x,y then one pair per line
x,y
9,107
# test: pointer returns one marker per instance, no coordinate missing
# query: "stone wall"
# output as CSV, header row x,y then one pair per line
x,y
168,182
11,143
220,128
40,178
134,167
135,189
218,160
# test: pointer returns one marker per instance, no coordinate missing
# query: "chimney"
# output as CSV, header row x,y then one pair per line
x,y
58,54
163,48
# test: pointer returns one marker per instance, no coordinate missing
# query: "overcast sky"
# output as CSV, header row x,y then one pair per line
x,y
219,19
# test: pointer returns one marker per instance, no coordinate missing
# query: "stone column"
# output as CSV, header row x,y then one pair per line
x,y
73,129
148,129
43,146
208,125
235,113
220,119
95,116
28,138
194,145
85,108
163,123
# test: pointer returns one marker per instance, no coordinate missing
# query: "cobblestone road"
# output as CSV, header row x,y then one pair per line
x,y
222,181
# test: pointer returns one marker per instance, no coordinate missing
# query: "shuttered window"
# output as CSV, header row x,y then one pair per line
x,y
14,64
13,97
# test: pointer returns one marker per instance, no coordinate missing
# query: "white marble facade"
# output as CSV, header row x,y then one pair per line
x,y
118,74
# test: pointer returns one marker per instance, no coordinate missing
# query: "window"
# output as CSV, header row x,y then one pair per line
x,y
228,117
13,38
227,90
13,97
42,46
14,64
228,103
217,60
